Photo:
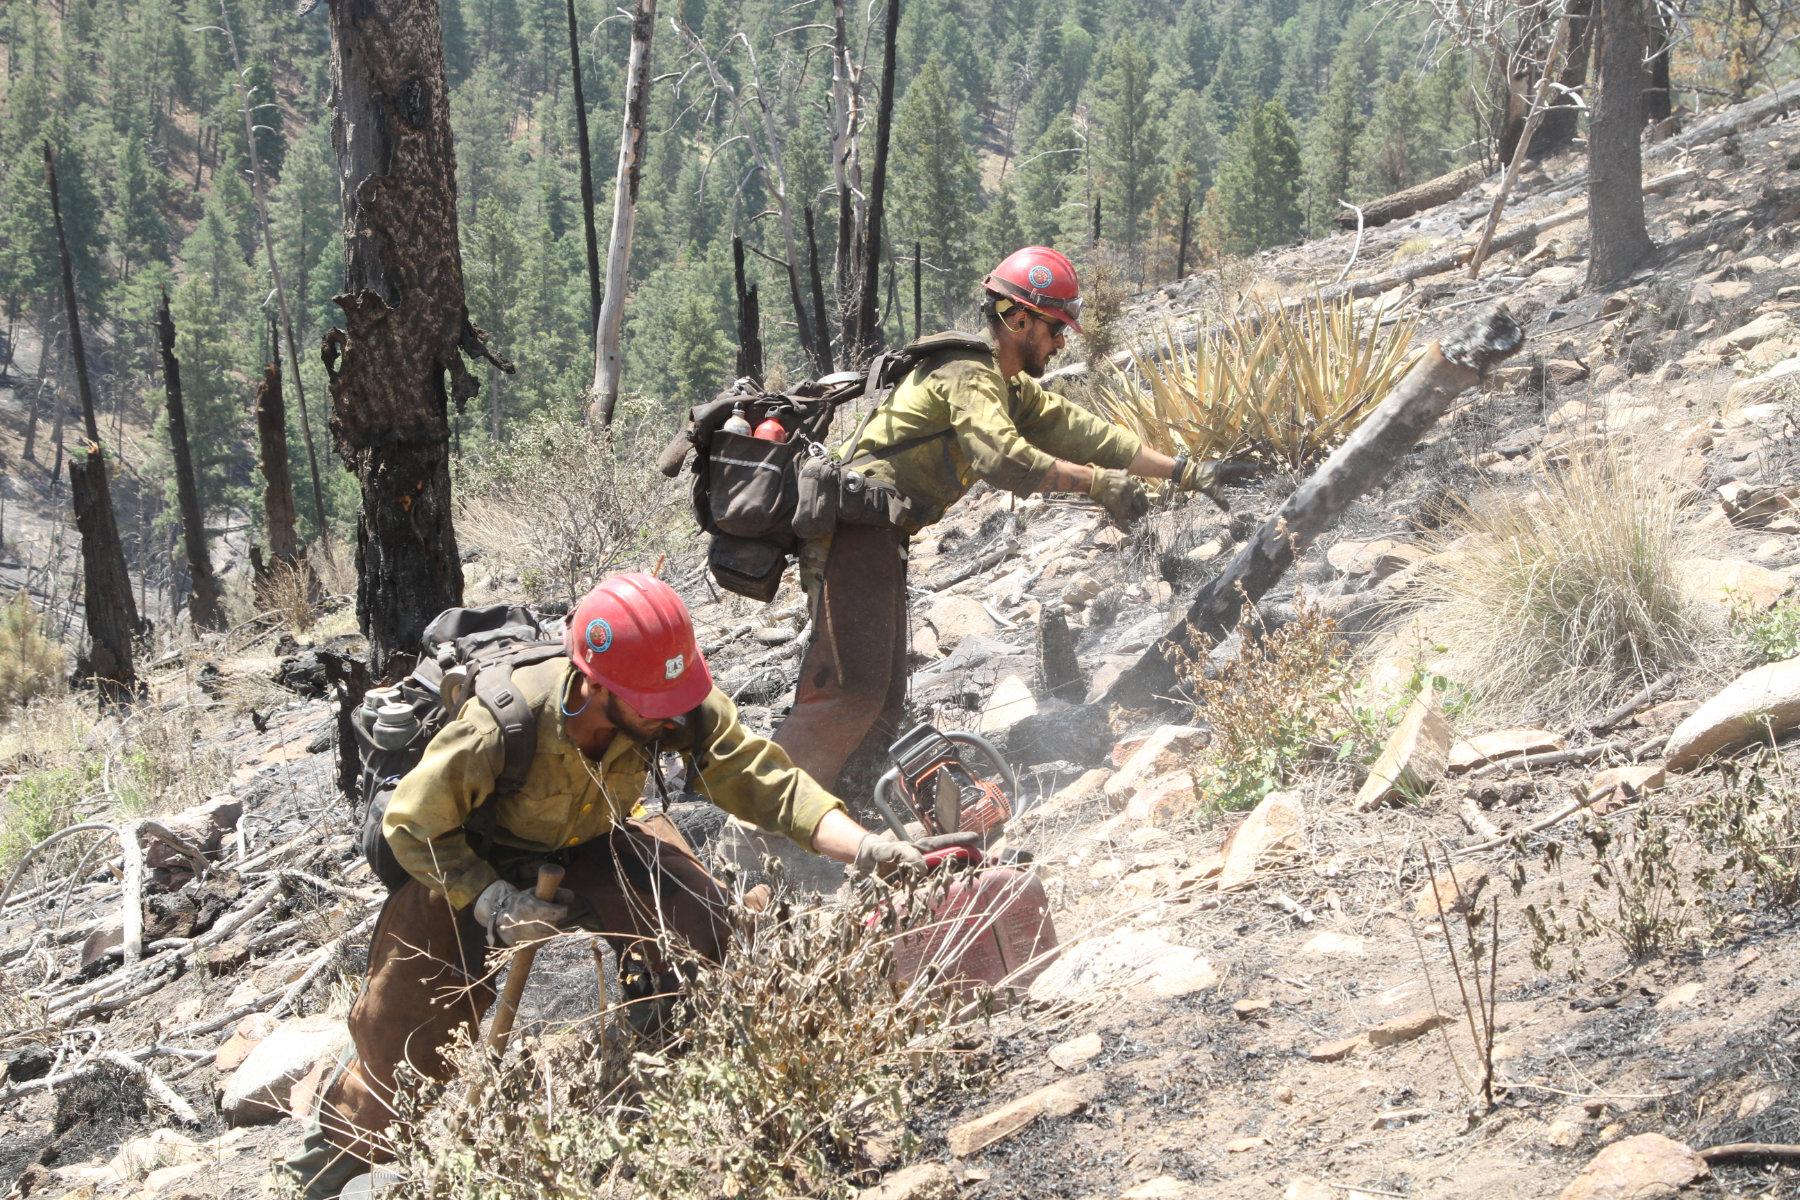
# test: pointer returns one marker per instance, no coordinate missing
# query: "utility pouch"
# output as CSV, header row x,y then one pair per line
x,y
817,487
747,566
862,501
750,485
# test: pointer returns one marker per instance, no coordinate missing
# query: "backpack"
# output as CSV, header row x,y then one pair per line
x,y
469,652
759,499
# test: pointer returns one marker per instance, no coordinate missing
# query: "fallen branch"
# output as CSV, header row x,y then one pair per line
x,y
1542,823
1637,701
153,1083
1367,458
1397,206
1552,758
1750,1152
1477,822
1356,246
322,958
1009,545
31,854
132,929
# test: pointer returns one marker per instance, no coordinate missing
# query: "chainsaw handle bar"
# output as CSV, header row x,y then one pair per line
x,y
888,785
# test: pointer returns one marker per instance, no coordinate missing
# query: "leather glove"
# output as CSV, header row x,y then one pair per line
x,y
1210,477
1123,497
884,856
514,915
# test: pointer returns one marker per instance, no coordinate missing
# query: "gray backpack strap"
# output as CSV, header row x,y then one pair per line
x,y
512,712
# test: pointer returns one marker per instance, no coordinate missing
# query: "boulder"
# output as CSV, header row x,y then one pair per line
x,y
1770,383
203,827
1414,759
1168,748
1334,1051
1759,703
956,617
1450,893
1375,559
1076,1052
1733,581
1275,827
1617,786
235,1049
1165,797
1756,331
1010,703
261,1089
1061,1099
1138,960
1484,748
1645,1167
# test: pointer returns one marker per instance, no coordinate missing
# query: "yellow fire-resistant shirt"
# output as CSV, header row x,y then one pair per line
x,y
562,803
953,420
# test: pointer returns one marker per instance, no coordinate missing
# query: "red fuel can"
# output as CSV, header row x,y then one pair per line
x,y
991,926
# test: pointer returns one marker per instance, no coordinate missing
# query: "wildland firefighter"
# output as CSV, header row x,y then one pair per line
x,y
959,416
630,684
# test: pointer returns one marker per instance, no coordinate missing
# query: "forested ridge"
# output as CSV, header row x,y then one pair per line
x,y
1141,136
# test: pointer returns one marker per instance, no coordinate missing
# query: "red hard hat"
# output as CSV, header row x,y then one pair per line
x,y
1041,279
632,635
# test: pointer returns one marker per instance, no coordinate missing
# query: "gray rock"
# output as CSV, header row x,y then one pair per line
x,y
1753,706
1076,733
259,1091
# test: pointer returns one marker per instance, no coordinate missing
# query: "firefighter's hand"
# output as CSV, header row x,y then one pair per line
x,y
1123,497
514,915
885,856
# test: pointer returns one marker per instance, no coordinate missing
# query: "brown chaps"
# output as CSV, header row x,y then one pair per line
x,y
429,963
853,677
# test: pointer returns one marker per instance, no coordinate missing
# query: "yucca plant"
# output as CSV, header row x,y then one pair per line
x,y
1281,384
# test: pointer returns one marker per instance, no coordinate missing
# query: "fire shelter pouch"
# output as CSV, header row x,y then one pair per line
x,y
750,485
816,494
746,566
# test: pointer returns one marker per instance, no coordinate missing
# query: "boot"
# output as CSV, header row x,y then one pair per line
x,y
321,1169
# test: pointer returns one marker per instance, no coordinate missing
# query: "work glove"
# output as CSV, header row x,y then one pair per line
x,y
884,856
1123,497
514,915
1207,477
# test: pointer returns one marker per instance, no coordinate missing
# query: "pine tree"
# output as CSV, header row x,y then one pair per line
x,y
1258,192
1128,140
1000,232
934,186
1388,151
134,214
1331,143
1043,184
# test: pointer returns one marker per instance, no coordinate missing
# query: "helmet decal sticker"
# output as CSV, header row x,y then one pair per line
x,y
599,636
673,667
1040,277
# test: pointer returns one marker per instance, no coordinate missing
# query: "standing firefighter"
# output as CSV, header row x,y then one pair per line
x,y
959,416
631,684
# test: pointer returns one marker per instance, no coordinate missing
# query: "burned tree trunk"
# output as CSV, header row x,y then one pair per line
x,y
587,173
272,457
865,338
396,365
1659,92
749,319
1616,233
1557,129
203,600
112,616
1362,463
608,361
821,331
112,619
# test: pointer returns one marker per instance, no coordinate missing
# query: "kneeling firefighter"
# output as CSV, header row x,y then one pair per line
x,y
960,415
631,684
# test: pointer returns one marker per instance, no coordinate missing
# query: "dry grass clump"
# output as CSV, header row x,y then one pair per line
x,y
559,505
1285,384
31,665
1551,601
782,1061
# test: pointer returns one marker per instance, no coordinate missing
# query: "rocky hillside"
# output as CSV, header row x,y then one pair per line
x,y
1455,943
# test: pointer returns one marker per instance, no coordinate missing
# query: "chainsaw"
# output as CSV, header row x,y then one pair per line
x,y
949,782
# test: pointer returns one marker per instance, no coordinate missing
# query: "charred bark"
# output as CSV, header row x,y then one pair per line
x,y
1402,204
821,331
112,620
76,351
272,456
587,173
867,335
749,319
203,601
1557,130
1362,463
1659,93
1617,237
396,365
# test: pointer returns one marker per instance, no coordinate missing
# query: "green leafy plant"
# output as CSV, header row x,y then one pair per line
x,y
39,803
1770,635
1288,700
1753,822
